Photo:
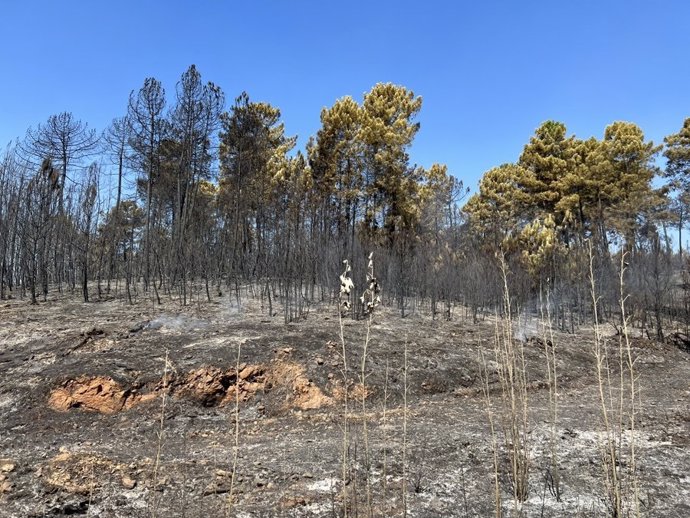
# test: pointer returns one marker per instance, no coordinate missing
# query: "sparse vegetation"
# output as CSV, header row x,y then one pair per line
x,y
215,214
429,445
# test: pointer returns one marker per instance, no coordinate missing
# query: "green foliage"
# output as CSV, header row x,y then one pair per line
x,y
564,191
252,147
627,189
549,160
391,185
497,212
677,153
335,154
360,166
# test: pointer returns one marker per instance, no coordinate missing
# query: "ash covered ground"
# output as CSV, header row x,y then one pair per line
x,y
109,409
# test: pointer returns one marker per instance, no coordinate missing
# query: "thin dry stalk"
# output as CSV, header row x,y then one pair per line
x,y
346,286
609,457
634,396
160,433
385,436
92,488
404,445
513,378
365,431
494,440
236,429
554,475
370,300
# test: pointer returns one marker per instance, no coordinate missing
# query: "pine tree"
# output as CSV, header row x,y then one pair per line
x,y
677,154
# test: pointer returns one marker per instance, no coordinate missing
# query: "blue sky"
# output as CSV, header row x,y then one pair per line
x,y
489,72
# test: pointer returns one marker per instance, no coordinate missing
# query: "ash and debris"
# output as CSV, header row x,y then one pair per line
x,y
95,421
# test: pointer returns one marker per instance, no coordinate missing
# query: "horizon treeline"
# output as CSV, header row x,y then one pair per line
x,y
184,197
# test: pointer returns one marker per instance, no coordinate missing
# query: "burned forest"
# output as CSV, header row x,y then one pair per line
x,y
201,315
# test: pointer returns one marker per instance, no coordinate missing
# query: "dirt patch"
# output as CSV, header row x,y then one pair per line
x,y
7,466
97,394
303,394
211,386
208,386
5,485
81,473
355,392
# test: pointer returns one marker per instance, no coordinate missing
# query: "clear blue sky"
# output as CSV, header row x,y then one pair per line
x,y
489,72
